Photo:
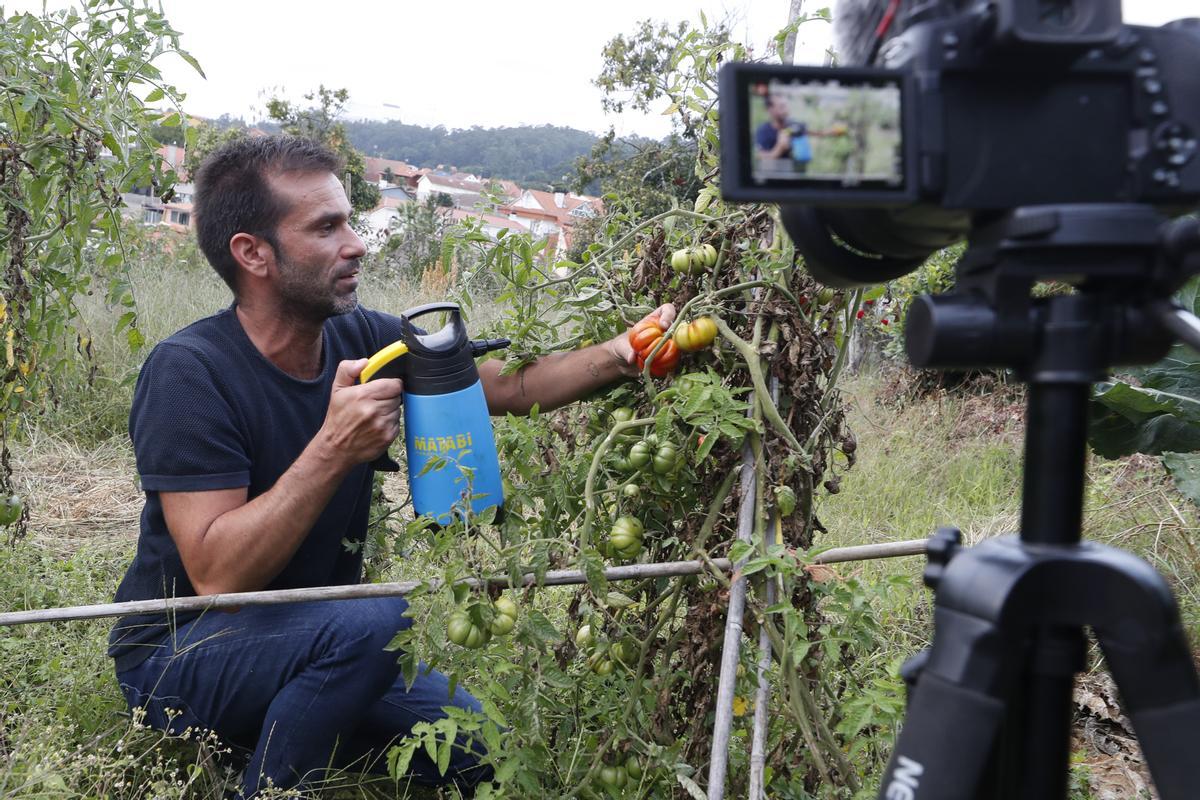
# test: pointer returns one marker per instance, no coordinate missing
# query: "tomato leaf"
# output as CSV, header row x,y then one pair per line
x,y
541,627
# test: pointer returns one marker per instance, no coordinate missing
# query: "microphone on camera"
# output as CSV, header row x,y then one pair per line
x,y
861,26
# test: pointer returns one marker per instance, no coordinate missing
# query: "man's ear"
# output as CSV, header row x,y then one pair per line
x,y
254,254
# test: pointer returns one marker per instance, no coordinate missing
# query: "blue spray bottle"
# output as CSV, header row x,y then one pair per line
x,y
447,428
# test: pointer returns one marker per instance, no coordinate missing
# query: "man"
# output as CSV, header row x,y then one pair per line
x,y
253,440
783,138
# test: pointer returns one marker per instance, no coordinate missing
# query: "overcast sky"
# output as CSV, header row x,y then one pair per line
x,y
456,62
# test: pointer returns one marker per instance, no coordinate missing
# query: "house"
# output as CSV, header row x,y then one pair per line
x,y
176,214
403,173
553,215
431,184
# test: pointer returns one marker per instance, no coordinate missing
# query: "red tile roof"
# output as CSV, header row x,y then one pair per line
x,y
375,168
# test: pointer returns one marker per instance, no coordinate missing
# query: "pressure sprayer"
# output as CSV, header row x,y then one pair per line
x,y
447,428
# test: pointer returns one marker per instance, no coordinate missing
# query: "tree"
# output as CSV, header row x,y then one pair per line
x,y
415,243
320,122
75,132
652,176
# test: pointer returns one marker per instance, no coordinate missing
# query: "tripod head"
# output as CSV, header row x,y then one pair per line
x,y
1124,261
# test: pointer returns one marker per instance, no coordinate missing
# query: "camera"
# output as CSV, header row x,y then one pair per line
x,y
974,109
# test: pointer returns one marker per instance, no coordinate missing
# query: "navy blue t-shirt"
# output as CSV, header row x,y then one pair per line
x,y
211,412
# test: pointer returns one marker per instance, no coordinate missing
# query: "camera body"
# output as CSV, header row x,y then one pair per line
x,y
972,112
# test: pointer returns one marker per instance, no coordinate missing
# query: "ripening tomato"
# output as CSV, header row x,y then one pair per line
x,y
696,335
644,334
664,361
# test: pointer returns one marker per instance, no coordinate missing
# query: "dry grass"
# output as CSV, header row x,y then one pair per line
x,y
79,496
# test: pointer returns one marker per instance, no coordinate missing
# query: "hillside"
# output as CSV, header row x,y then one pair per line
x,y
535,156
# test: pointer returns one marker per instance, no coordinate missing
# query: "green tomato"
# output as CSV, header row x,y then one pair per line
x,y
633,768
613,777
709,255
600,664
10,510
624,652
506,616
621,464
477,638
665,458
584,639
622,414
681,261
458,627
631,490
640,454
626,535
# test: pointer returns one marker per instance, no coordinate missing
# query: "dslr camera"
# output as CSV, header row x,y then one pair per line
x,y
972,109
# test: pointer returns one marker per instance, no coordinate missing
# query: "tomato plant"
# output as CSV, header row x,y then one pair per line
x,y
608,674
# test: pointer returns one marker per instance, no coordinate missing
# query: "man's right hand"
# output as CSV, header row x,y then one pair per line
x,y
363,419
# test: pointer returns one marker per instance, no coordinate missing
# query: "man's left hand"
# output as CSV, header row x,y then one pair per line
x,y
622,350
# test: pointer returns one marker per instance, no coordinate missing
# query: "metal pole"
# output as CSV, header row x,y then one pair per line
x,y
723,716
762,695
562,577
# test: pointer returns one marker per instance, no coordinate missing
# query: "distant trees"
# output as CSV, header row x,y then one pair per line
x,y
534,156
321,121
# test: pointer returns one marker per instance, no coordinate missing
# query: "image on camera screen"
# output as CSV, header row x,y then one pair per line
x,y
826,132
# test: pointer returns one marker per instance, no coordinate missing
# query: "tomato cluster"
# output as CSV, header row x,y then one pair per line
x,y
694,260
644,337
617,776
463,630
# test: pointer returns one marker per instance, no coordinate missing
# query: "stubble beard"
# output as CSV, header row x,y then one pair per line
x,y
306,296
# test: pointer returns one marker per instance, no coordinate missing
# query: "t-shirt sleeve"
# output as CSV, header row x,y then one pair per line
x,y
186,434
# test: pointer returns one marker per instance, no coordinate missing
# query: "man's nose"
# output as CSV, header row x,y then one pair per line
x,y
354,246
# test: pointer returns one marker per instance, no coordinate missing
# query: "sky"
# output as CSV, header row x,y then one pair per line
x,y
456,63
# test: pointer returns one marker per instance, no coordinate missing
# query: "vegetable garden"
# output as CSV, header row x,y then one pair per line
x,y
744,668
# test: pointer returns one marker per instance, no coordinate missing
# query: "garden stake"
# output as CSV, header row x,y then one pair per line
x,y
772,533
762,694
723,716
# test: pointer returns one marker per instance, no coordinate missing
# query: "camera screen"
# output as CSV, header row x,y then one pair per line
x,y
809,132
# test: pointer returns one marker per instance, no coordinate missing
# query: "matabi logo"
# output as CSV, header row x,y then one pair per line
x,y
441,444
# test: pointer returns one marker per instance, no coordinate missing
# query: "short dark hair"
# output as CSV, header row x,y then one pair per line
x,y
233,195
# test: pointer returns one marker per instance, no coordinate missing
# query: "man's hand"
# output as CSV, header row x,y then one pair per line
x,y
363,419
622,350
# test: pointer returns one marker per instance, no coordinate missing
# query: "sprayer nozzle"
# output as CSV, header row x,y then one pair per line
x,y
481,346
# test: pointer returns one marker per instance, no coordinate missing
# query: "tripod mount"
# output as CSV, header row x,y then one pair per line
x,y
989,708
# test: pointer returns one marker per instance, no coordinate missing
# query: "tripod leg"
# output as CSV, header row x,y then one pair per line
x,y
1158,684
945,743
955,710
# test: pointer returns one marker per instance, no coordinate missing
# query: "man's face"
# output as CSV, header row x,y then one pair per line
x,y
777,109
317,257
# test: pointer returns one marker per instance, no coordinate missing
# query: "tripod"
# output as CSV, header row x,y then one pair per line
x,y
989,703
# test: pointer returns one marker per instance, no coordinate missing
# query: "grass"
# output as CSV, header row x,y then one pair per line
x,y
956,460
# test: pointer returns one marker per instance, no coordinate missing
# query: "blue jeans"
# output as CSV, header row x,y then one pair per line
x,y
303,686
